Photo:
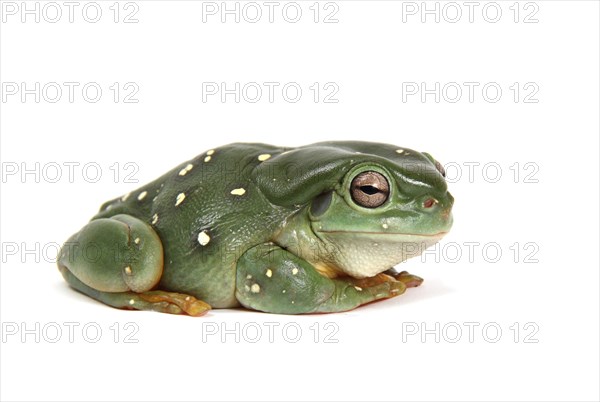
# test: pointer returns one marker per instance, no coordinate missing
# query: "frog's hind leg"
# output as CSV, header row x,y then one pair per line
x,y
164,302
118,261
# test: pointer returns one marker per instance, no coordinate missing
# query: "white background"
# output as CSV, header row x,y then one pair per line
x,y
550,209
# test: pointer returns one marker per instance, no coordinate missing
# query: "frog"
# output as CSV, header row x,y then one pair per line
x,y
318,228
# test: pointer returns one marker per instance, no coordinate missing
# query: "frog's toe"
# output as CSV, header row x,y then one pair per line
x,y
380,286
382,290
175,303
411,281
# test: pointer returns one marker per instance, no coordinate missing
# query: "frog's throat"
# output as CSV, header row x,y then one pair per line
x,y
359,254
366,254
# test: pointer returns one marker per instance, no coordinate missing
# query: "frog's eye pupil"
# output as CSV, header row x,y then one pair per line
x,y
370,189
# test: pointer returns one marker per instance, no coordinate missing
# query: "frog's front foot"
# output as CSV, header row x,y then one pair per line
x,y
274,280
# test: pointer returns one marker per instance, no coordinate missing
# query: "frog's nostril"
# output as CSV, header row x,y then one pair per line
x,y
430,202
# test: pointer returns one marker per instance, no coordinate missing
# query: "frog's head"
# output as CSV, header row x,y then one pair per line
x,y
362,207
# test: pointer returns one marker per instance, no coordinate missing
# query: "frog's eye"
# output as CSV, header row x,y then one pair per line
x,y
370,189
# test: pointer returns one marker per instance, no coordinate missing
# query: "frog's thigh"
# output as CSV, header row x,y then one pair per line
x,y
117,261
274,280
117,254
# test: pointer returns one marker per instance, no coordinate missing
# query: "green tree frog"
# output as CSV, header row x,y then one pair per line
x,y
313,229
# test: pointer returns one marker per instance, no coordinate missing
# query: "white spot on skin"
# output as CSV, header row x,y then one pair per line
x,y
399,151
212,151
247,288
248,276
283,291
385,226
293,302
263,157
131,302
125,197
255,288
358,288
128,270
203,238
238,191
269,273
180,198
294,271
109,207
137,240
187,298
154,219
186,169
207,159
142,195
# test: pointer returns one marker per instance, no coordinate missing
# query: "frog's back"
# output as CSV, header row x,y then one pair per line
x,y
207,212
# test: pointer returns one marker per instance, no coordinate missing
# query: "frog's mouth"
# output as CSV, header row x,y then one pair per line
x,y
369,233
353,236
